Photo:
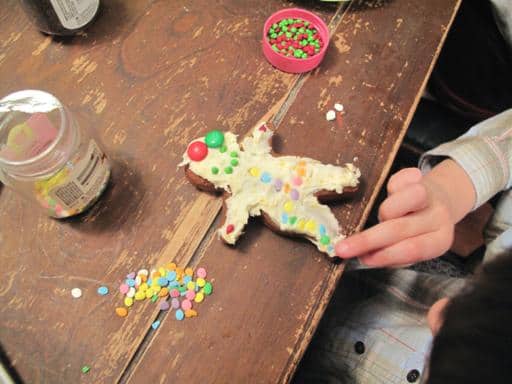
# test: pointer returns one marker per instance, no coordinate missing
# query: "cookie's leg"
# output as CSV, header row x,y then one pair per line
x,y
237,214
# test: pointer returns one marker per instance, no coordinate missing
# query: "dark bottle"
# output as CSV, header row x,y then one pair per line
x,y
61,17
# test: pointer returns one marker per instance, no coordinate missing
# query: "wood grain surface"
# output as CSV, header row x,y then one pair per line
x,y
145,79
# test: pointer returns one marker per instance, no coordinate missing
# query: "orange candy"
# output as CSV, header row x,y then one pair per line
x,y
121,311
163,292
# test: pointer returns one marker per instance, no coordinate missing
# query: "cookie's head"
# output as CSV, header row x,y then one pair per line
x,y
215,157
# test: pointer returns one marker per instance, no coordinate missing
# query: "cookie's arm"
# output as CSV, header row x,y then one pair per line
x,y
238,207
260,140
322,177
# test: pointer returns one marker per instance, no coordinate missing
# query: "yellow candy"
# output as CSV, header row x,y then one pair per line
x,y
288,206
156,288
254,172
199,297
191,286
200,282
139,295
128,301
300,224
190,313
189,271
162,271
311,225
149,293
143,287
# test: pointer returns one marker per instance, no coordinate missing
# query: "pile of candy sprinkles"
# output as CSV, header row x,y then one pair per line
x,y
183,287
295,38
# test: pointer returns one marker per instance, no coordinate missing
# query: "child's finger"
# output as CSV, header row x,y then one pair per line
x,y
412,198
403,178
415,249
383,235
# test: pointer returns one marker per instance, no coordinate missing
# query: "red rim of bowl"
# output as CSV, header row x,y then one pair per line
x,y
317,22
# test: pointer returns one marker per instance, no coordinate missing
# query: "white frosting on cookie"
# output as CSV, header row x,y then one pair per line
x,y
282,187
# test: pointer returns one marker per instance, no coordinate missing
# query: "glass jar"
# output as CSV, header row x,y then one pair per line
x,y
47,157
61,17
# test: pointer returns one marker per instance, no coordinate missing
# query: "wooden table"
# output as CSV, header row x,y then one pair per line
x,y
147,78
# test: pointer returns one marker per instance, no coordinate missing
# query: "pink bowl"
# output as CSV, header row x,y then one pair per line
x,y
292,64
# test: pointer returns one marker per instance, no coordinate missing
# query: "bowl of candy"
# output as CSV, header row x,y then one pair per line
x,y
295,40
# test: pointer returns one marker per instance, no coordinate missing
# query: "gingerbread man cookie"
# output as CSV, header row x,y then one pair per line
x,y
285,190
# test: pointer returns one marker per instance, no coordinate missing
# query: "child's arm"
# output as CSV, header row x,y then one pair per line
x,y
418,217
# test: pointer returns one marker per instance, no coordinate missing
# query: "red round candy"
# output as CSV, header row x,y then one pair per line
x,y
197,151
230,228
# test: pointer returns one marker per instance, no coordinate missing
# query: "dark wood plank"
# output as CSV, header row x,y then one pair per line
x,y
270,292
147,77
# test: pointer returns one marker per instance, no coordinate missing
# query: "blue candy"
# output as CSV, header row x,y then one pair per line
x,y
179,314
103,290
162,281
321,229
156,324
284,218
266,177
171,275
187,279
130,282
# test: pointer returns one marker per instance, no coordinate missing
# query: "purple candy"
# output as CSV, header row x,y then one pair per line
x,y
164,305
131,275
278,184
175,303
294,194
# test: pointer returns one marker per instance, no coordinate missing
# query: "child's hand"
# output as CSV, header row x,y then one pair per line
x,y
417,218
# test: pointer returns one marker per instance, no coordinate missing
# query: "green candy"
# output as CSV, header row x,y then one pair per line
x,y
274,26
154,298
291,21
228,170
289,34
294,29
86,369
325,240
285,29
274,47
302,30
292,220
182,288
214,139
215,170
234,162
208,288
224,148
273,35
233,154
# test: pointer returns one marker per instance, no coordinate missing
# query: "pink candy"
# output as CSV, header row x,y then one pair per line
x,y
190,295
201,272
186,305
175,293
297,181
124,288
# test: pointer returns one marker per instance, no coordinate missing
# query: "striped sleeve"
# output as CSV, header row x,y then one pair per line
x,y
484,152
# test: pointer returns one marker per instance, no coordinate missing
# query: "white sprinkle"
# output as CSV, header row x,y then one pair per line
x,y
131,292
355,159
339,107
331,115
76,293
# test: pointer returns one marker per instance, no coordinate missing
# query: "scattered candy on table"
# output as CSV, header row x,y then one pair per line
x,y
184,288
331,114
76,293
86,369
102,290
155,324
295,38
